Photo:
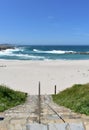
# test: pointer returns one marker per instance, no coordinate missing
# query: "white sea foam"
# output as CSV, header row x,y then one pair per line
x,y
26,56
53,51
10,52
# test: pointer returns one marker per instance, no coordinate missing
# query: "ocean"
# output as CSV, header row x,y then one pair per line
x,y
45,52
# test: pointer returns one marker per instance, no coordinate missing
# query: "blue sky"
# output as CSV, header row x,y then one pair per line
x,y
44,21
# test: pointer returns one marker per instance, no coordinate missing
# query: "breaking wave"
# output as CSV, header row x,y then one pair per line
x,y
53,51
60,52
11,53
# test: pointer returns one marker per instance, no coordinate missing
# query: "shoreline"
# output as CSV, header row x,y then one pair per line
x,y
24,75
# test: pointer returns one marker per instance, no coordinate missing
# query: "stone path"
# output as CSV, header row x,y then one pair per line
x,y
17,117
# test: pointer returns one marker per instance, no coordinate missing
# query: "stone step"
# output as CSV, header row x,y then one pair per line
x,y
63,126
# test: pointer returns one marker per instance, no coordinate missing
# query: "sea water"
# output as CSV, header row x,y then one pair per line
x,y
46,52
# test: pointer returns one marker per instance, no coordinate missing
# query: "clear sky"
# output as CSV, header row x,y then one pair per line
x,y
44,21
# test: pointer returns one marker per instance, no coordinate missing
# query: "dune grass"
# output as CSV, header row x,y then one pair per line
x,y
76,98
10,98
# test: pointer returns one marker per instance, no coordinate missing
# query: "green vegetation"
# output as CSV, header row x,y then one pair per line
x,y
75,98
10,98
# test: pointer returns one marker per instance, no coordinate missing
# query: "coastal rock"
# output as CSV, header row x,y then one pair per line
x,y
6,46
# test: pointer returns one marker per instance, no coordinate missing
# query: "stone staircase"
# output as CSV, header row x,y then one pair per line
x,y
18,117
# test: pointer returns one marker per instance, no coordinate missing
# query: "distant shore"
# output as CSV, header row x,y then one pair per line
x,y
25,75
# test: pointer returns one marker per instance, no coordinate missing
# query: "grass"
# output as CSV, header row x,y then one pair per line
x,y
76,98
10,98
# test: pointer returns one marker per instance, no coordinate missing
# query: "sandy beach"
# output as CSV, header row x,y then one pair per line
x,y
25,75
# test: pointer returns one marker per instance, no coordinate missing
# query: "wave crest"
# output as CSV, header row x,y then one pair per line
x,y
53,51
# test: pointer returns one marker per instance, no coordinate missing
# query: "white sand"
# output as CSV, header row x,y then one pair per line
x,y
25,75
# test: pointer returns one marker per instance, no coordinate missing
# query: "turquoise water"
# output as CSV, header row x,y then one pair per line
x,y
46,53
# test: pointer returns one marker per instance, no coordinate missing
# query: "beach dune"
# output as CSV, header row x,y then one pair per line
x,y
25,75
